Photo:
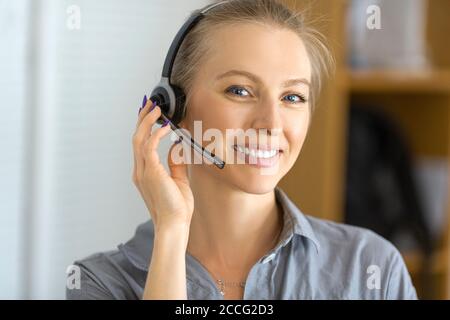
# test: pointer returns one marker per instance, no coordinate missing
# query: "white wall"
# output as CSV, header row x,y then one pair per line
x,y
13,145
83,89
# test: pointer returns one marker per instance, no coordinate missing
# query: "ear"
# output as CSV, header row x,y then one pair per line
x,y
182,124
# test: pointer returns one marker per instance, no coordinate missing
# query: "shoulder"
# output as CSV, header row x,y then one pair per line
x,y
342,236
101,275
350,262
360,252
114,274
331,237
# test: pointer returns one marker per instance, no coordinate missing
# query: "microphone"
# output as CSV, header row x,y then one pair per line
x,y
186,138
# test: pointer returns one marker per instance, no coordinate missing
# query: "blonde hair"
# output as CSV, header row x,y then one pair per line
x,y
268,12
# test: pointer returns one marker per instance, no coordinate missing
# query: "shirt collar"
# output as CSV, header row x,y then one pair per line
x,y
138,249
295,222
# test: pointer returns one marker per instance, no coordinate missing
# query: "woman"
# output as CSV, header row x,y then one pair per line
x,y
232,233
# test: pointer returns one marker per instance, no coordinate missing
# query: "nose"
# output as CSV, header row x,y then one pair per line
x,y
268,117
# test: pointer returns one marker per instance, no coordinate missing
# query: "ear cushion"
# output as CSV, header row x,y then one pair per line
x,y
162,98
180,107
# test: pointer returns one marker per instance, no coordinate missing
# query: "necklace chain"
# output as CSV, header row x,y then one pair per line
x,y
223,284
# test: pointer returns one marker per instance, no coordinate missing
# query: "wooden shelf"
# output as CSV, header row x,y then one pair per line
x,y
393,81
414,259
418,100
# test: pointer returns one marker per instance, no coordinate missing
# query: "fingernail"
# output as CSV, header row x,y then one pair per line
x,y
144,102
166,122
178,141
153,106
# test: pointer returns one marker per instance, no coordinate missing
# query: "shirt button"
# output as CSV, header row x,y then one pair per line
x,y
269,257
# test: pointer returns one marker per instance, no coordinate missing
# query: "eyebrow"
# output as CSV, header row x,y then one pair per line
x,y
254,78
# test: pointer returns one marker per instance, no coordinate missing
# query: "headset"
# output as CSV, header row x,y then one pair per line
x,y
171,98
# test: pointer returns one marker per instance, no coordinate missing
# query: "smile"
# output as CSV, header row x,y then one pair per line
x,y
258,156
256,153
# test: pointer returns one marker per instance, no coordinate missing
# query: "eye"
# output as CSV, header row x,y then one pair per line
x,y
238,91
295,98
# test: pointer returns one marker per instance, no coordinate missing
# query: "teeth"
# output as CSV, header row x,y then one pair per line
x,y
257,153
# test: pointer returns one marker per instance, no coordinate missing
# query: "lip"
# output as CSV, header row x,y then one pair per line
x,y
267,147
259,162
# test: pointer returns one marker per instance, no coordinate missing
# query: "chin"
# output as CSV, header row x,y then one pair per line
x,y
252,181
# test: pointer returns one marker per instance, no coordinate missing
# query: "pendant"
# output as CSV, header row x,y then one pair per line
x,y
222,292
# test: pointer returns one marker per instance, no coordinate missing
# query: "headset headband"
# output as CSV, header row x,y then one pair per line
x,y
176,43
171,98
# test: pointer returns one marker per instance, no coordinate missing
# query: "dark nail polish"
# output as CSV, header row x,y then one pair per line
x,y
166,122
153,106
144,102
178,141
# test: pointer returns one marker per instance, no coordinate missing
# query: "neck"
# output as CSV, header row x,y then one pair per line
x,y
226,218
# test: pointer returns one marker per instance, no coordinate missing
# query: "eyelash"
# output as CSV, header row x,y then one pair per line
x,y
302,98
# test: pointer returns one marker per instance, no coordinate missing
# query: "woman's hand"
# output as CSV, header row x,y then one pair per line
x,y
168,197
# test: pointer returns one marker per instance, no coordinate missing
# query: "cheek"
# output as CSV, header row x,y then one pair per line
x,y
197,108
214,118
295,130
213,112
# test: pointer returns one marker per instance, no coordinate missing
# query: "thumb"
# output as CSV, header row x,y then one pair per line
x,y
177,162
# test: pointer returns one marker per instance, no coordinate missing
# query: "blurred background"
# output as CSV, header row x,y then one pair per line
x,y
377,155
72,77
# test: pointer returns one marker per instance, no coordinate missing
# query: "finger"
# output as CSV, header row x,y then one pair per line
x,y
151,157
138,162
148,106
140,137
134,173
177,162
145,129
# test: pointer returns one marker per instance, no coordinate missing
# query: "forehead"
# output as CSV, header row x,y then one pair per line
x,y
267,51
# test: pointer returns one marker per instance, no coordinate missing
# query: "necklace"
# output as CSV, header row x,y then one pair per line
x,y
223,283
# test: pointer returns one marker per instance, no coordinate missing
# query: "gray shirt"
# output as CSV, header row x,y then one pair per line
x,y
314,259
